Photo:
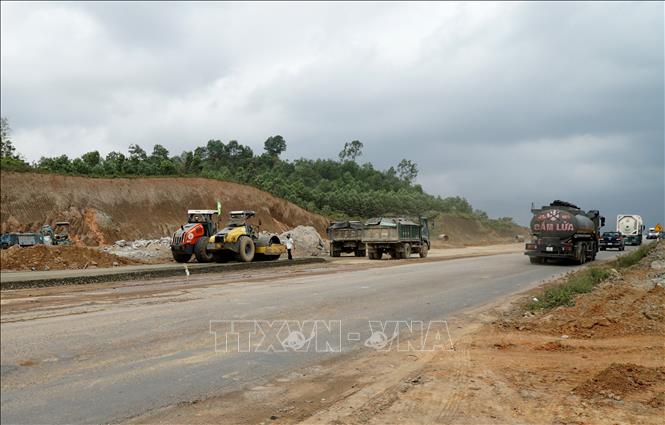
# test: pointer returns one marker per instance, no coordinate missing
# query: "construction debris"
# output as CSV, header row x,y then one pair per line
x,y
144,250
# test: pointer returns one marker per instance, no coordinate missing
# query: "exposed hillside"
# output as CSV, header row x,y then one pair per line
x,y
464,230
103,210
333,188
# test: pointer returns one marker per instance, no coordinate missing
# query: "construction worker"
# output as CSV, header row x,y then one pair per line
x,y
290,245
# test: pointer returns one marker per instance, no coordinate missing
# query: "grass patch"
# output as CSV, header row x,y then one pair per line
x,y
564,293
634,257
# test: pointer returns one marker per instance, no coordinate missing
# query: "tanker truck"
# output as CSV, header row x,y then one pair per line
x,y
562,230
631,227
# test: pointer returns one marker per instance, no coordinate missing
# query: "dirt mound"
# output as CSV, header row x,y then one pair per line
x,y
621,379
102,211
42,257
462,231
632,303
613,310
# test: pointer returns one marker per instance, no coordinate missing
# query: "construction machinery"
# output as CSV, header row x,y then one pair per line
x,y
398,237
20,239
46,236
200,226
56,236
562,230
240,240
346,236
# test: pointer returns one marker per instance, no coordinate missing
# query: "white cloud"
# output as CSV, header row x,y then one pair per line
x,y
478,94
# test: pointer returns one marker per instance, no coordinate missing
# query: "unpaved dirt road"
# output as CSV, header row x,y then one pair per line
x,y
110,354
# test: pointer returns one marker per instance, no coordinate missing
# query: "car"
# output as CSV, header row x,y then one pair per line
x,y
653,233
611,240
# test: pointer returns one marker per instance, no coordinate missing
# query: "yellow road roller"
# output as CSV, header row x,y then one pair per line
x,y
239,240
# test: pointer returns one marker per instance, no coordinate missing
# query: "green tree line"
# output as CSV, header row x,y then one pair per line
x,y
336,188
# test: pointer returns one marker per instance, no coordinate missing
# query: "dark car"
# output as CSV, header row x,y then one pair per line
x,y
612,240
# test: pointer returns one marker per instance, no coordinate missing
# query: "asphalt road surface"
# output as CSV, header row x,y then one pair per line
x,y
100,360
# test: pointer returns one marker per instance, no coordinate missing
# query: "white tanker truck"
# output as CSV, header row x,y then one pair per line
x,y
631,227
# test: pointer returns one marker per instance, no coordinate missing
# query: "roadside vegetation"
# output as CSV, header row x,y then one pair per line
x,y
563,294
335,188
634,257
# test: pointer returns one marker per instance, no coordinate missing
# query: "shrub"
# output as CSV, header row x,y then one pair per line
x,y
564,293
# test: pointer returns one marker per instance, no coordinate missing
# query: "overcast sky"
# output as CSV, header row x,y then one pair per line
x,y
503,104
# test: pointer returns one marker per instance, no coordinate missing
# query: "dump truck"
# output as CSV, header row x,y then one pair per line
x,y
396,236
21,239
346,236
242,241
199,227
562,230
631,228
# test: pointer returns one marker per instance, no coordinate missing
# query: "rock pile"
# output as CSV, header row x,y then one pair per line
x,y
307,240
141,249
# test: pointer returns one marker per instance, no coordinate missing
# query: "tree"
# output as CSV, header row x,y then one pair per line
x,y
80,166
351,151
238,152
136,153
137,163
114,163
159,153
7,149
91,159
407,170
58,164
274,145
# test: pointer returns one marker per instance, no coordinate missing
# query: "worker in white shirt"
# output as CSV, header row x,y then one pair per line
x,y
290,246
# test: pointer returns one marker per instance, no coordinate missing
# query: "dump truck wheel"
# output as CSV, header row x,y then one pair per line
x,y
360,253
201,251
335,253
181,257
246,249
423,251
407,251
536,260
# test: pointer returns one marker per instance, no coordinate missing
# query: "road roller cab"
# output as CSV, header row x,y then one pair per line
x,y
241,240
200,225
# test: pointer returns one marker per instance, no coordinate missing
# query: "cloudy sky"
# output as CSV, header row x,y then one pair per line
x,y
503,104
